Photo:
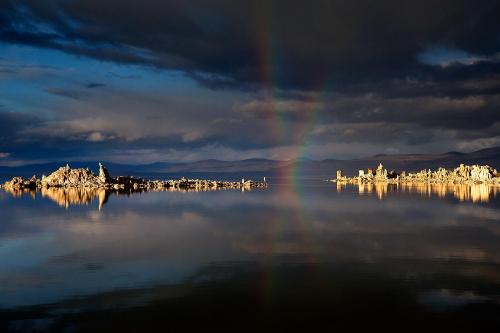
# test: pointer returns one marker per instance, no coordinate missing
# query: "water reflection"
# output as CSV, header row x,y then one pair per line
x,y
72,196
291,255
66,197
475,193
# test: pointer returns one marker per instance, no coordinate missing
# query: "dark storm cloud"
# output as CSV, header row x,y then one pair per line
x,y
460,113
386,73
471,112
12,122
295,44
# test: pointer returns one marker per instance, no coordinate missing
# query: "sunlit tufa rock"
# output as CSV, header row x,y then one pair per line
x,y
463,174
66,177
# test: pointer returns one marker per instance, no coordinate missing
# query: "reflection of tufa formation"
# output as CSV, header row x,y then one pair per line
x,y
476,183
68,196
463,192
66,177
464,174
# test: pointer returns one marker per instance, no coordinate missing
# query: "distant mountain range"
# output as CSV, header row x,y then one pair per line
x,y
326,168
408,162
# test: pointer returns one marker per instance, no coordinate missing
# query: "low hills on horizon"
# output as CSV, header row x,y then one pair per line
x,y
327,167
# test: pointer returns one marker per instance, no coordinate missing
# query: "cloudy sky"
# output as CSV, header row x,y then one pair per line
x,y
145,81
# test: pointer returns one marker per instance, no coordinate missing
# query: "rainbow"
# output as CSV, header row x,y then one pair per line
x,y
299,133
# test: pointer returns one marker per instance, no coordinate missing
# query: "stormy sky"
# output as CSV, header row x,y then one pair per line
x,y
146,81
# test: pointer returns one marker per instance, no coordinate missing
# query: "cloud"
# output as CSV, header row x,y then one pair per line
x,y
14,69
445,57
144,119
345,79
95,85
294,45
126,115
199,125
63,92
98,137
4,155
12,122
125,77
266,107
464,113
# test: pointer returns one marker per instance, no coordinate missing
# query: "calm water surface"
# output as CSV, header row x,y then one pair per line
x,y
296,256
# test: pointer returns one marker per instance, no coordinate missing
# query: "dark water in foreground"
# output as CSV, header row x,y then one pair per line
x,y
292,257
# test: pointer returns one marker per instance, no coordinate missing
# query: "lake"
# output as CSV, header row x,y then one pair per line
x,y
297,256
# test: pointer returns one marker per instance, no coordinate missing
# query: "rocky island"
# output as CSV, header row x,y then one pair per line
x,y
68,178
463,174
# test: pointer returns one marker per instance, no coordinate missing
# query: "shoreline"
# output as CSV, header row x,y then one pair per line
x,y
462,175
67,178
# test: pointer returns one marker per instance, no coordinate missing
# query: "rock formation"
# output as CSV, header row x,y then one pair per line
x,y
66,177
21,183
463,174
103,174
